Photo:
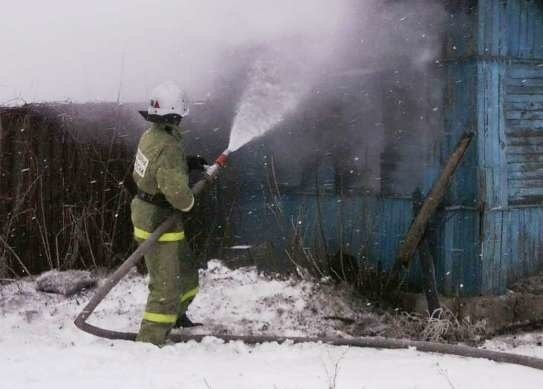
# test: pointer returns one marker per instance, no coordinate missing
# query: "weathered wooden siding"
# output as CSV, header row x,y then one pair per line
x,y
494,76
523,111
510,132
368,228
486,237
514,241
459,265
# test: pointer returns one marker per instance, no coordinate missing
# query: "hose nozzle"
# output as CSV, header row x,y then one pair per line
x,y
213,170
222,161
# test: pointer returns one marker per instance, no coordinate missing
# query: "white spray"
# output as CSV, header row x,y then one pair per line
x,y
274,90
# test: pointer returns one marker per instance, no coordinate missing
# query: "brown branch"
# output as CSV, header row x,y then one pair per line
x,y
19,260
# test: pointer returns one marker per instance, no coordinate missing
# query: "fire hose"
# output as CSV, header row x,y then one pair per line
x,y
364,342
81,320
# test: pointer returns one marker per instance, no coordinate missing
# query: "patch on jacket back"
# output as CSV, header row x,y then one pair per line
x,y
140,166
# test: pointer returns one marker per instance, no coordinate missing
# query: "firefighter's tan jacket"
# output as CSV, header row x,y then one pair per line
x,y
161,167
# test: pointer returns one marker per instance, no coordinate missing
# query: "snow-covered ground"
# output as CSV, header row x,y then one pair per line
x,y
41,348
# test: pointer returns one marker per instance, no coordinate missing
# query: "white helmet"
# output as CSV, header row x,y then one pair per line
x,y
168,99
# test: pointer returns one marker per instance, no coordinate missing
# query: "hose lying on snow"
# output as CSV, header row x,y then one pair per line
x,y
364,342
373,342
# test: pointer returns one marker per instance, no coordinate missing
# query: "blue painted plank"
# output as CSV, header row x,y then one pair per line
x,y
524,114
459,266
526,183
525,99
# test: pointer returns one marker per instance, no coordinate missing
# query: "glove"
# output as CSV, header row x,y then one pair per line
x,y
195,162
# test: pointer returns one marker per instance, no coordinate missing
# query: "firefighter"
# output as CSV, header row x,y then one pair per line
x,y
161,175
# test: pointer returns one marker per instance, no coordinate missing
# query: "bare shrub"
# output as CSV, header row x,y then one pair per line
x,y
63,185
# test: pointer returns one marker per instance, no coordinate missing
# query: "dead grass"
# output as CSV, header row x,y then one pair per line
x,y
443,326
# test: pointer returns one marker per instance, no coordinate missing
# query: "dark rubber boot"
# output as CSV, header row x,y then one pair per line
x,y
183,321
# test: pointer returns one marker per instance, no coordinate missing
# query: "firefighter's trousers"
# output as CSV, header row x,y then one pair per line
x,y
173,279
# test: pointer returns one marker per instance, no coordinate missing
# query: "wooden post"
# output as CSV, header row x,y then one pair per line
x,y
429,277
426,263
428,209
431,202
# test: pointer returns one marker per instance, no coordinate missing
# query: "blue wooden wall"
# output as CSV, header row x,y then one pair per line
x,y
495,87
371,227
491,231
510,137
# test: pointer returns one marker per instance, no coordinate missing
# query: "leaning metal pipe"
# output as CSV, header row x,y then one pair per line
x,y
371,342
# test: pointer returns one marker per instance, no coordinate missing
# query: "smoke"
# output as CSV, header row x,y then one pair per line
x,y
374,115
358,81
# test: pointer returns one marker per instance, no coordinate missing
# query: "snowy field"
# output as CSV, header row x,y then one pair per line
x,y
41,348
